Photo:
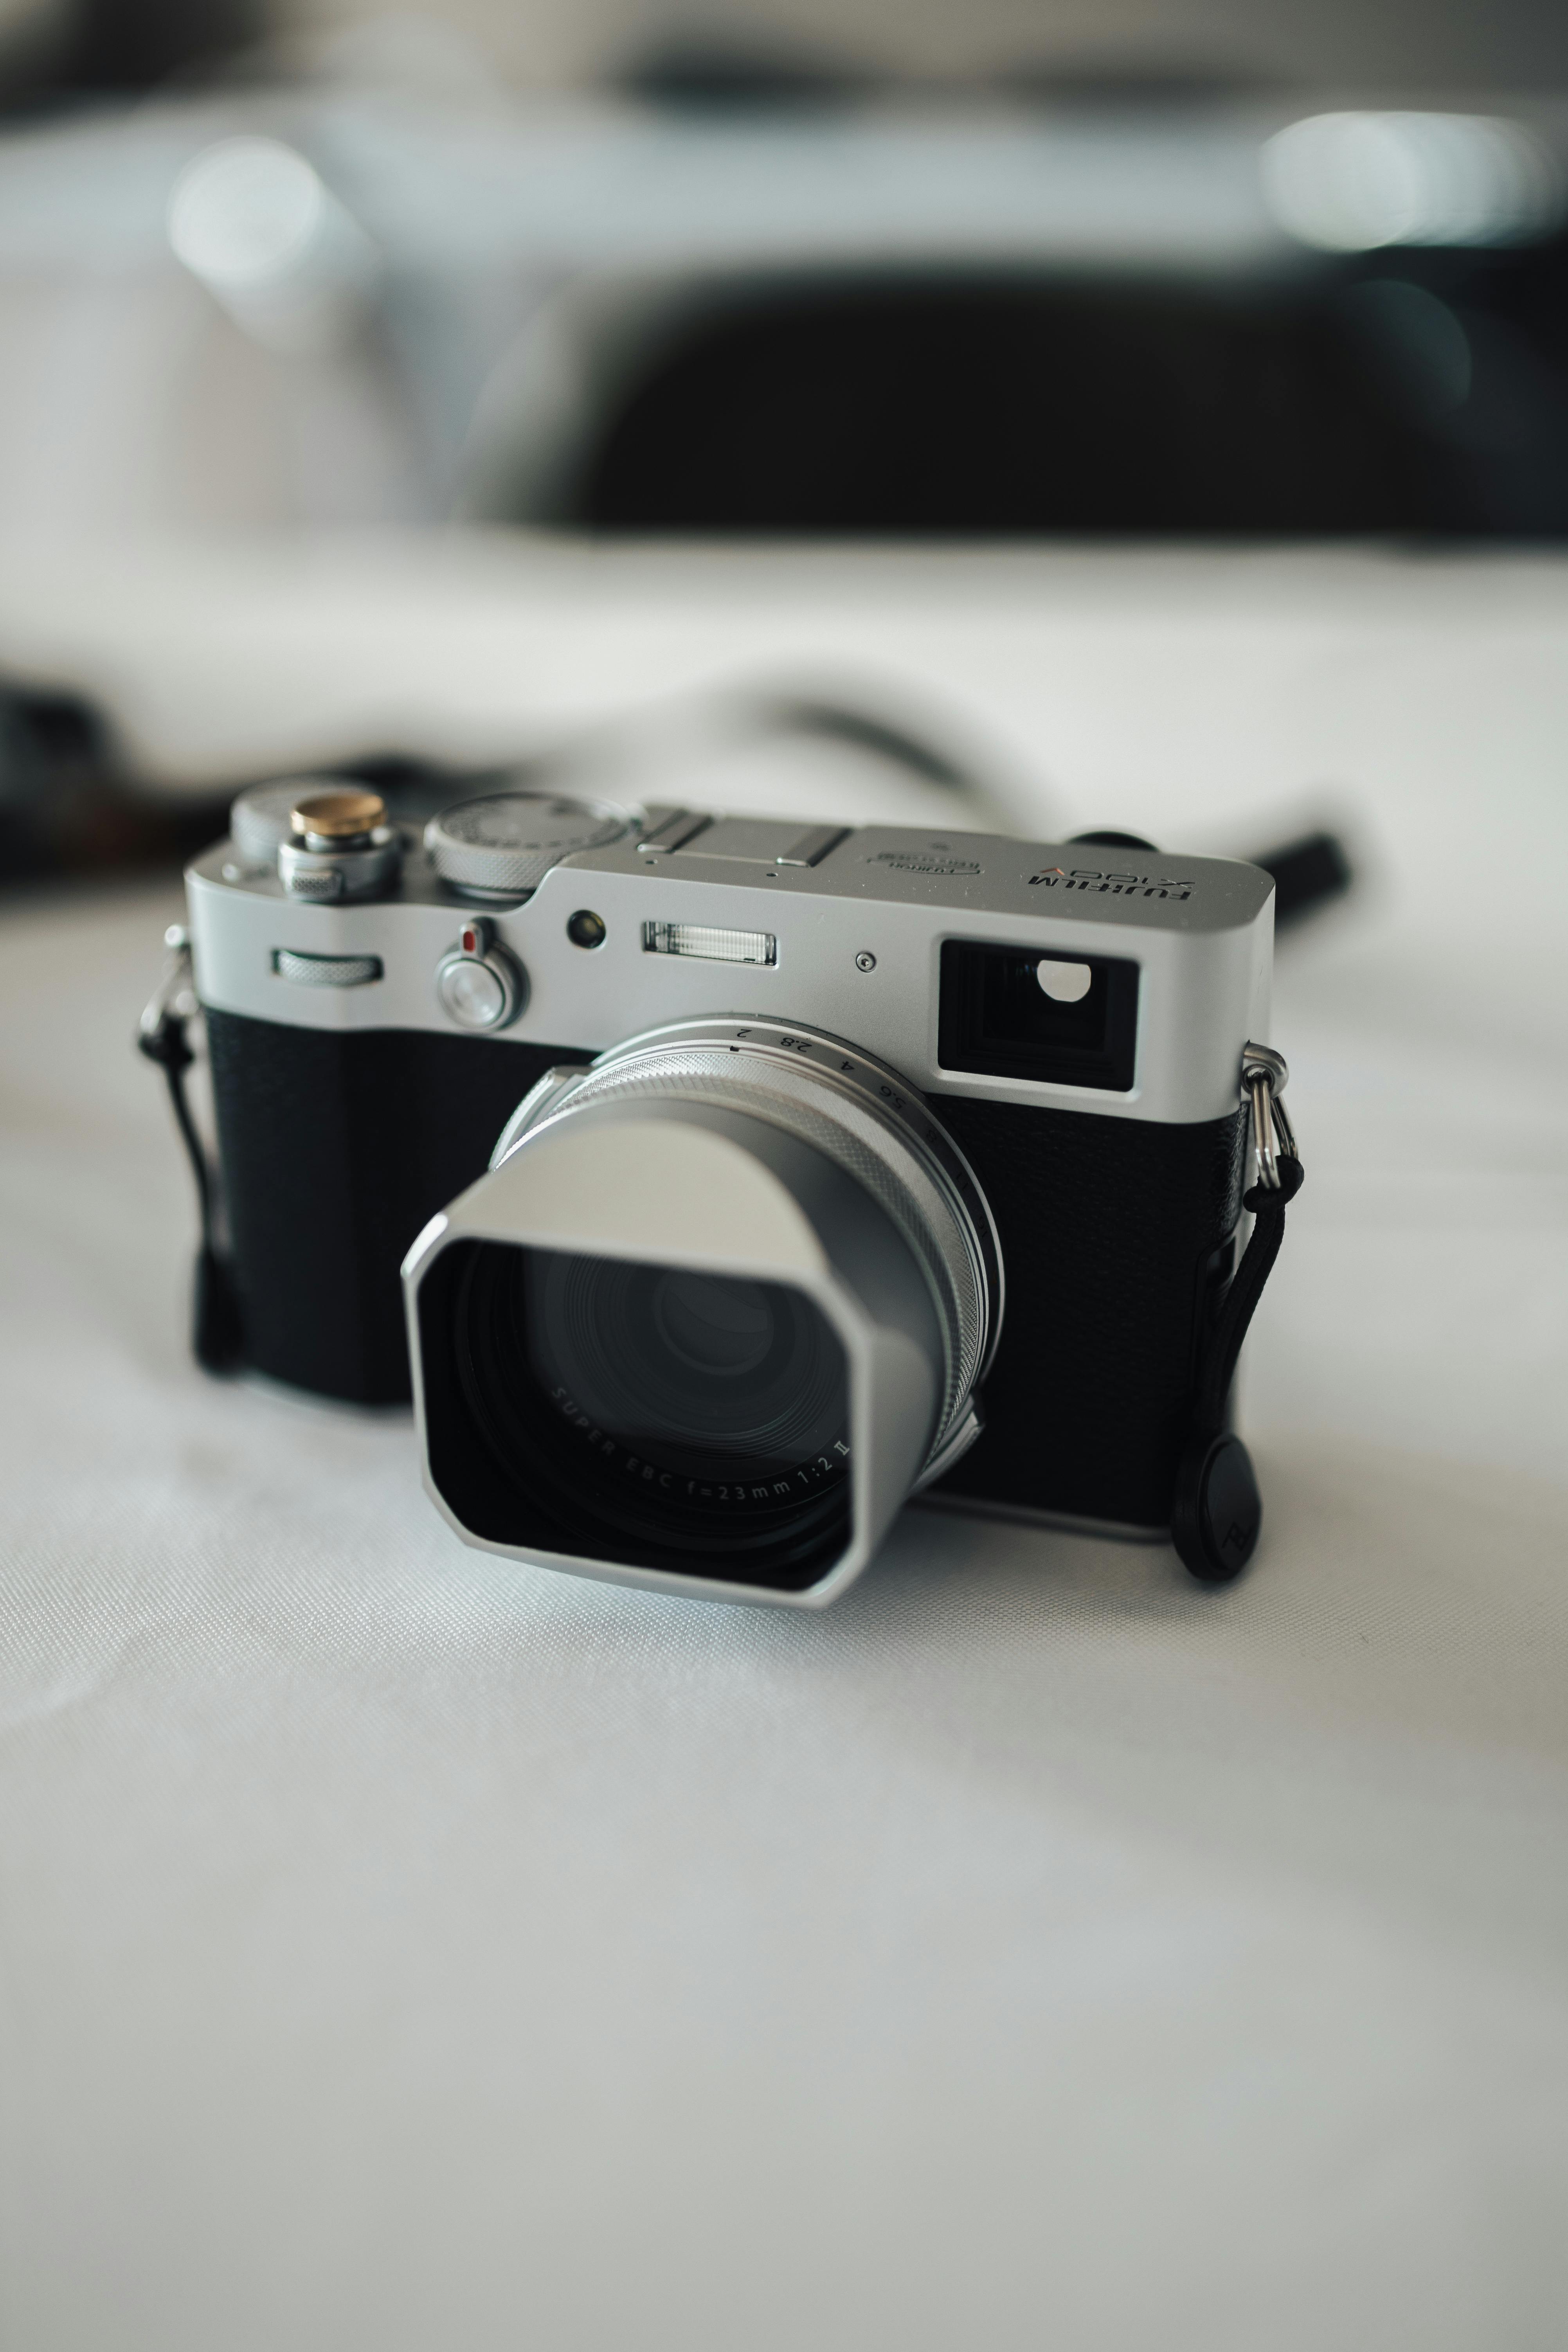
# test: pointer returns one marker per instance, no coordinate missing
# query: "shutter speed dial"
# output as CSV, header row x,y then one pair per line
x,y
502,847
479,985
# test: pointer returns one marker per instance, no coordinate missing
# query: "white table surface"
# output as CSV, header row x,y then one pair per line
x,y
401,1949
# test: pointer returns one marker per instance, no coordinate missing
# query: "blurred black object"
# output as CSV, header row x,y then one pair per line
x,y
1308,875
126,45
703,74
709,72
91,49
67,806
70,808
1404,392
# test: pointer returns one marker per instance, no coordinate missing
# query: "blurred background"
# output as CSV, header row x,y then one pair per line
x,y
417,390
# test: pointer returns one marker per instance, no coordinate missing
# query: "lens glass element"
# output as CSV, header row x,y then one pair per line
x,y
707,1378
688,1411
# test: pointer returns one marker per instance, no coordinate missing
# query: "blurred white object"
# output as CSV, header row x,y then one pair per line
x,y
242,384
245,213
1349,182
251,218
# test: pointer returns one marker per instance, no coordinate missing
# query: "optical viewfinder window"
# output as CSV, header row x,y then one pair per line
x,y
1009,1012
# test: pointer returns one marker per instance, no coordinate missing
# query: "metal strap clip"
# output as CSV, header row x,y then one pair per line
x,y
1264,1077
175,998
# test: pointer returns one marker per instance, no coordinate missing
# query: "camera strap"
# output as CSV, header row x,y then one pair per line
x,y
215,1333
1217,1510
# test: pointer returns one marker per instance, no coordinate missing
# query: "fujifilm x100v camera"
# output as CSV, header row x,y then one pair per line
x,y
713,1184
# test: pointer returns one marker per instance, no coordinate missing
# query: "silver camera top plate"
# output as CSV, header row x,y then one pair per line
x,y
838,930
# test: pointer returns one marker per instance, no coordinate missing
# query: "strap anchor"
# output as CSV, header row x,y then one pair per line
x,y
1264,1078
1217,1510
216,1337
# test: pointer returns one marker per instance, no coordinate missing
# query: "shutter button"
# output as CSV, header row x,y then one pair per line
x,y
339,846
479,985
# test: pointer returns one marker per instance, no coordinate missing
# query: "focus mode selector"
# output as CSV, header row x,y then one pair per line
x,y
479,985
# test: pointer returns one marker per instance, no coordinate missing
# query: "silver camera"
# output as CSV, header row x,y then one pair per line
x,y
715,1184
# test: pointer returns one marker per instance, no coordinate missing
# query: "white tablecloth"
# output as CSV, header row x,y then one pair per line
x,y
401,1949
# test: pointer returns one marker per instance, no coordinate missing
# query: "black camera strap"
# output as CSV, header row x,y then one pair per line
x,y
215,1332
1217,1510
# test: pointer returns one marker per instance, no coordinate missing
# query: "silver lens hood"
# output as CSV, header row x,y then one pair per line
x,y
774,1154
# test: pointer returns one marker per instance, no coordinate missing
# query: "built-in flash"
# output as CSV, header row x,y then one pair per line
x,y
714,946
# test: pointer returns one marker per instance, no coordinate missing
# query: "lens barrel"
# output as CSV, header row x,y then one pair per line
x,y
721,1304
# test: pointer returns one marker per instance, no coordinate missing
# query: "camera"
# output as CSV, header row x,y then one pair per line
x,y
714,1184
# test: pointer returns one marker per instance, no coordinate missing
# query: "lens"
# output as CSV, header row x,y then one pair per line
x,y
691,1413
713,1326
643,1338
707,1378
